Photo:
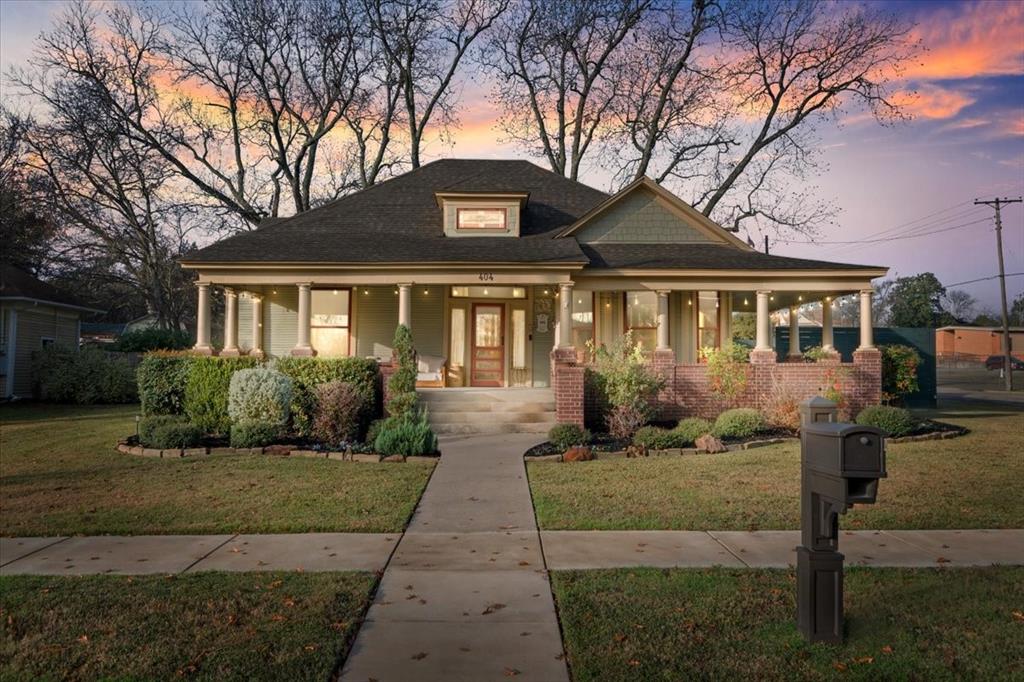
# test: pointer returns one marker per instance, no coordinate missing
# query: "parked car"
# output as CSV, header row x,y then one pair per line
x,y
997,362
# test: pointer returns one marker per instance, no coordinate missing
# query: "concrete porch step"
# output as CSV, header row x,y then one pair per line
x,y
489,411
441,406
478,417
491,428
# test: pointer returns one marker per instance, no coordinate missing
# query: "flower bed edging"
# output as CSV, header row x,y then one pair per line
x,y
125,446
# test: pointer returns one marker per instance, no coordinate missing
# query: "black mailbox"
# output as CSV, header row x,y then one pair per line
x,y
840,466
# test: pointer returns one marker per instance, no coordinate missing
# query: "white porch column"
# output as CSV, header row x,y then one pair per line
x,y
867,339
827,338
257,325
203,319
302,346
763,322
230,322
663,321
405,305
794,332
565,315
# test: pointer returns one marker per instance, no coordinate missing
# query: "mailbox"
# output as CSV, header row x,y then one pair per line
x,y
840,466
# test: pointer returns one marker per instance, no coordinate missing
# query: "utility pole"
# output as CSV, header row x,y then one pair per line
x,y
1007,357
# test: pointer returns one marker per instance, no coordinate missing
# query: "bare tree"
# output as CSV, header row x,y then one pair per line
x,y
425,41
551,61
960,304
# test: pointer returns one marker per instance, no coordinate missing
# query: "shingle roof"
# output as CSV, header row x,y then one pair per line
x,y
399,221
700,257
17,283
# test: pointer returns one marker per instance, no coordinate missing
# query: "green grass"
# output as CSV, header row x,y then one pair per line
x,y
925,624
60,475
213,626
957,483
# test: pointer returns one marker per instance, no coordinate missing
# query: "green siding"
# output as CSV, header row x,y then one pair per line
x,y
244,323
543,342
640,218
281,321
376,317
427,319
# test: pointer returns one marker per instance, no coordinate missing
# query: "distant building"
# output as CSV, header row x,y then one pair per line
x,y
974,344
33,315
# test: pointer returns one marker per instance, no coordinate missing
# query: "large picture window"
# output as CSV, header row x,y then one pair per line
x,y
707,320
329,321
642,317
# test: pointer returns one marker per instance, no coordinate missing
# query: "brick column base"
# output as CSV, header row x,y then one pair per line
x,y
567,382
762,357
867,364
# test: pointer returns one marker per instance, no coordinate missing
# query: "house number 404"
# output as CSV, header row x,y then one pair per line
x,y
486,276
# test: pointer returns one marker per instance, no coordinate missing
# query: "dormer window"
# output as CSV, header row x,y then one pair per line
x,y
481,219
481,214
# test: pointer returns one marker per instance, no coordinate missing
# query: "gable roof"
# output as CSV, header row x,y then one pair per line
x,y
399,221
18,285
691,216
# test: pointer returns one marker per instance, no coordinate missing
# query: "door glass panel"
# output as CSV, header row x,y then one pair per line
x,y
707,319
518,339
458,349
488,326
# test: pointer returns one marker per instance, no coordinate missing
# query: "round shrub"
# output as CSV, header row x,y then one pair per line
x,y
254,434
742,422
564,436
690,429
339,409
259,395
895,421
655,438
308,373
176,435
408,436
148,426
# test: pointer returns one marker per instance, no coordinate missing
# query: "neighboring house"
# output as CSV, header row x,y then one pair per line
x,y
504,271
974,344
33,315
107,333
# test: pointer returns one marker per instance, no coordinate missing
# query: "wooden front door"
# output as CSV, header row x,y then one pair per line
x,y
488,353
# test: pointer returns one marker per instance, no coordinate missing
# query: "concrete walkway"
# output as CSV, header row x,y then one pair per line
x,y
466,594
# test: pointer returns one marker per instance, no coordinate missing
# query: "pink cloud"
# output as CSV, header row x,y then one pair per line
x,y
976,39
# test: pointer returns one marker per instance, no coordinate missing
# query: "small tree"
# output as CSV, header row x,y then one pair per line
x,y
727,370
628,382
899,372
402,384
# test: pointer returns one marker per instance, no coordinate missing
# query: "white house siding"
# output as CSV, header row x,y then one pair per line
x,y
280,321
376,316
35,324
244,323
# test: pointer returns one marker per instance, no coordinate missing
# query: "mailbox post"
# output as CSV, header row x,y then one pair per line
x,y
840,467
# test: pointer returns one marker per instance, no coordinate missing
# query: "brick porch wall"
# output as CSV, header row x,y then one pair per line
x,y
686,392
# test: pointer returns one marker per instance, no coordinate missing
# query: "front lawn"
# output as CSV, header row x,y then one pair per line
x,y
60,475
214,626
957,483
681,624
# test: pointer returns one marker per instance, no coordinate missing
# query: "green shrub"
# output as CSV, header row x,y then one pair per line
x,y
657,438
742,422
175,435
565,436
206,390
254,434
374,429
817,354
260,394
894,421
306,374
161,379
727,370
692,428
145,340
627,382
82,377
899,371
338,410
402,382
409,436
148,426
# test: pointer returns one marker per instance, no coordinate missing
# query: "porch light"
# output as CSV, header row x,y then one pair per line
x,y
771,298
274,292
546,292
746,302
607,305
335,292
799,298
426,291
396,292
579,301
366,292
486,292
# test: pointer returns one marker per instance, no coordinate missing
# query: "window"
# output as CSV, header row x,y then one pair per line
x,y
642,317
582,319
48,342
518,339
488,292
481,218
329,321
707,319
458,346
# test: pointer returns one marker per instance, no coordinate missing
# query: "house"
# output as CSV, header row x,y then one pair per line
x,y
33,315
504,271
975,344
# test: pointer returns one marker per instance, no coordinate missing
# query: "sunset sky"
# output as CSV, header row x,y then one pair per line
x,y
966,141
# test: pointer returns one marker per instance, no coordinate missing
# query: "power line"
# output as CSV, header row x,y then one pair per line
x,y
982,279
892,239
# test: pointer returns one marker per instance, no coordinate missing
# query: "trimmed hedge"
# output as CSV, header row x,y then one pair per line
x,y
145,340
565,436
206,390
82,377
682,436
148,427
309,373
254,434
161,378
895,421
176,435
742,422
